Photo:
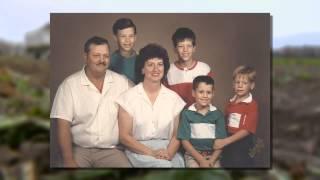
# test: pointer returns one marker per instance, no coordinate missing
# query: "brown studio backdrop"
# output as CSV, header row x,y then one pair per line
x,y
224,41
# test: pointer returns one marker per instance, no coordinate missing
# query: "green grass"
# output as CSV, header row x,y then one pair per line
x,y
278,61
292,69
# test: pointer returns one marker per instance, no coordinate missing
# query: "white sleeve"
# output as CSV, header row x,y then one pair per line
x,y
63,107
179,105
124,101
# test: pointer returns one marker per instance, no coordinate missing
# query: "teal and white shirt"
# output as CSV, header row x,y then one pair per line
x,y
202,130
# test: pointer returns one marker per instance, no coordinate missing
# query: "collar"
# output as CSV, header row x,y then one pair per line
x,y
140,89
246,100
117,52
193,107
86,82
181,68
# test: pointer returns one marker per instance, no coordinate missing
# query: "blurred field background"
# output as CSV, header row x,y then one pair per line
x,y
25,126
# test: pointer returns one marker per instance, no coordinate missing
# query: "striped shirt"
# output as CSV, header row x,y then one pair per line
x,y
201,130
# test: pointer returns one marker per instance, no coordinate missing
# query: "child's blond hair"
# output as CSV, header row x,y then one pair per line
x,y
245,70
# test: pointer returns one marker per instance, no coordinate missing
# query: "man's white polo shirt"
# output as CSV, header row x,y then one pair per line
x,y
151,121
93,115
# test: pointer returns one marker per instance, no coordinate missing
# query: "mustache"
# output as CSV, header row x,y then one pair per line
x,y
102,63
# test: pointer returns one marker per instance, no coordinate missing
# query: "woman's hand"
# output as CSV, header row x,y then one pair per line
x,y
161,154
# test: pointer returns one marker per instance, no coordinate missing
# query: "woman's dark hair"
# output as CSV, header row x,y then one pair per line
x,y
148,52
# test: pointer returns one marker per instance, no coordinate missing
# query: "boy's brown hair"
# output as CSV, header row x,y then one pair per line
x,y
245,70
202,78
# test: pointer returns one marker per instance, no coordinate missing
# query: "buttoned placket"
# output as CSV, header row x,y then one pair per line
x,y
98,119
151,106
94,136
202,117
105,89
97,125
185,72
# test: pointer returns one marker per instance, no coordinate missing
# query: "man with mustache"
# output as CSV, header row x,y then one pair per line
x,y
86,114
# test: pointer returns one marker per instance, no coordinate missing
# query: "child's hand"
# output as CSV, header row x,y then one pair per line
x,y
70,164
212,162
205,163
168,156
219,144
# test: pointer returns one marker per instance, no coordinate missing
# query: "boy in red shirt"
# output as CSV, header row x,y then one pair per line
x,y
242,116
186,67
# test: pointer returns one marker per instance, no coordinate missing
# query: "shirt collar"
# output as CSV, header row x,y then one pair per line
x,y
86,82
117,52
190,68
193,107
246,100
163,89
83,77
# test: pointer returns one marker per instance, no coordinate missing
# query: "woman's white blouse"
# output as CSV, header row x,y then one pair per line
x,y
151,121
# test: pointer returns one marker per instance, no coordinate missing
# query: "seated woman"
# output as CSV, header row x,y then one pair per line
x,y
149,114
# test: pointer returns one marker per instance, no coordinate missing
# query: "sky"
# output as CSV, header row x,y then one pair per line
x,y
289,17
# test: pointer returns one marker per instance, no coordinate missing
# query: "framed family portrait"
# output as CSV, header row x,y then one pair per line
x,y
233,49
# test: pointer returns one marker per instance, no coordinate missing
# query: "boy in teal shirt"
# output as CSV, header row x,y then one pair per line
x,y
200,125
124,58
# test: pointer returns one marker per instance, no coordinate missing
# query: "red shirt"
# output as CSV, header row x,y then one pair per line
x,y
180,80
242,115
